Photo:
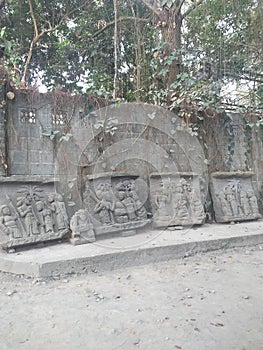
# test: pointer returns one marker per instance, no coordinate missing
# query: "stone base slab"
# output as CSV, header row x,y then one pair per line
x,y
149,247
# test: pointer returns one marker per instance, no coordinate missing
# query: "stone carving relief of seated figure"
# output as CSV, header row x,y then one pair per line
x,y
105,204
115,204
139,208
129,199
120,211
82,228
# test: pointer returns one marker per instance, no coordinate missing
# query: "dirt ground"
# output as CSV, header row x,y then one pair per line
x,y
206,302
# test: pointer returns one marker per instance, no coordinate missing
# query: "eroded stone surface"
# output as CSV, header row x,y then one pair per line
x,y
82,228
176,199
32,215
234,197
113,204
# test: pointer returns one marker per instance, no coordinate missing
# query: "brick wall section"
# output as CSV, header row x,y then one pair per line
x,y
29,152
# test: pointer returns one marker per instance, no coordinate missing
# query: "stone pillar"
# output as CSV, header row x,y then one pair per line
x,y
3,139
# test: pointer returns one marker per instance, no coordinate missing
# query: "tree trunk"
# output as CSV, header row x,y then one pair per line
x,y
3,131
172,33
115,38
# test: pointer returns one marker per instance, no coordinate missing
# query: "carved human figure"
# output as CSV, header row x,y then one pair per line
x,y
231,200
180,202
25,209
240,196
139,208
224,205
40,216
183,212
60,213
86,194
81,226
163,204
188,191
244,203
196,205
186,186
128,201
48,219
120,212
9,223
51,206
130,207
253,203
105,204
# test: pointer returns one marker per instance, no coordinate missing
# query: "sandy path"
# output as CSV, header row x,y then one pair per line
x,y
210,301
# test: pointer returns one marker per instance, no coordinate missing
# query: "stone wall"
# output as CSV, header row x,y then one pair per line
x,y
70,137
29,152
119,167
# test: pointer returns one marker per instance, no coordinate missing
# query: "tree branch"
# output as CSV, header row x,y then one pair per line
x,y
191,8
179,6
151,7
33,18
2,4
35,39
121,19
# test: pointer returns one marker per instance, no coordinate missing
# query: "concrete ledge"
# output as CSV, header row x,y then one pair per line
x,y
29,178
149,247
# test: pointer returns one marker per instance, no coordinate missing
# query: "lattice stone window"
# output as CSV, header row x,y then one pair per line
x,y
59,119
28,116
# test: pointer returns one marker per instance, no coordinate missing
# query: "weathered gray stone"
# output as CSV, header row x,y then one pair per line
x,y
27,120
176,199
128,139
30,212
82,228
234,197
113,204
151,247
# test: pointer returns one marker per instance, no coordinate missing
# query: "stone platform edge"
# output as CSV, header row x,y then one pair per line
x,y
123,259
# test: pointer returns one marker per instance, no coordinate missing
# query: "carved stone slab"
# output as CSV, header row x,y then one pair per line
x,y
82,228
32,215
233,197
113,203
176,199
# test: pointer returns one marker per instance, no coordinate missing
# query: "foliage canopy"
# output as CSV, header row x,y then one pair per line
x,y
184,53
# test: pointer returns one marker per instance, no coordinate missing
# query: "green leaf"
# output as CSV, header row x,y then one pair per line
x,y
2,32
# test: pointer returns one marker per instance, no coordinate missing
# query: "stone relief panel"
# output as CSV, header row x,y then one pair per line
x,y
234,198
176,199
82,228
113,204
32,215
